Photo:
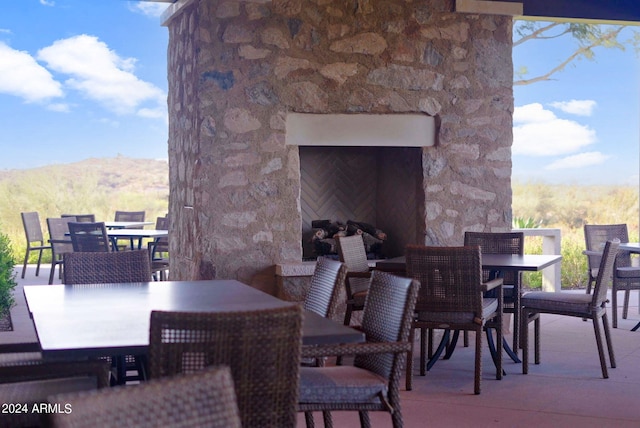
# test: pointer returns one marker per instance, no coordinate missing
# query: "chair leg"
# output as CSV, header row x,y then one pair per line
x,y
524,340
536,332
365,422
408,376
347,315
607,335
423,359
603,363
39,261
625,306
478,369
308,418
614,303
26,260
53,271
326,418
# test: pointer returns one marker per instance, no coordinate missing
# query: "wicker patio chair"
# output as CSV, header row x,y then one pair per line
x,y
159,251
324,293
326,285
503,243
109,268
451,298
372,382
81,218
574,305
203,399
89,237
625,276
35,239
29,382
60,243
262,347
352,253
130,216
106,268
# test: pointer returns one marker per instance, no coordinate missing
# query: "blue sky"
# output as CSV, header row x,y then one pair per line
x,y
582,126
84,78
80,79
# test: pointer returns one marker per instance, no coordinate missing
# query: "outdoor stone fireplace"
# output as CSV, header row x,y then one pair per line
x,y
239,70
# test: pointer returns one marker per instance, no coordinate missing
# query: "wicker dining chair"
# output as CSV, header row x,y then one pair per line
x,y
81,218
327,283
372,382
503,243
451,298
159,251
109,268
203,399
262,347
28,382
35,239
60,243
625,276
579,305
89,237
130,216
352,253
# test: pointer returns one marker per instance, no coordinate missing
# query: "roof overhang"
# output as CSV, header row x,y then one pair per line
x,y
599,11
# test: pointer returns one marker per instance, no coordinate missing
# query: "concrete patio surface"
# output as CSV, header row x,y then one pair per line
x,y
565,390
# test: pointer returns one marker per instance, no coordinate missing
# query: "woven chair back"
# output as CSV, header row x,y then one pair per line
x,y
498,243
89,237
605,272
449,277
387,317
596,236
32,227
81,218
59,231
130,216
206,399
262,347
106,267
326,285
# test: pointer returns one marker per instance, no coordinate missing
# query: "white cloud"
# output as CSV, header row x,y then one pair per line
x,y
47,2
59,107
539,132
22,76
101,75
577,107
5,31
148,8
579,161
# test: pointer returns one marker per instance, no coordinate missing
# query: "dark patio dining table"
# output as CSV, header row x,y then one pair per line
x,y
498,264
94,320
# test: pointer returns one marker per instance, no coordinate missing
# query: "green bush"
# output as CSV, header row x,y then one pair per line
x,y
7,274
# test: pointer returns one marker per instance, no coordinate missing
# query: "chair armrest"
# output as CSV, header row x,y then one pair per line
x,y
355,349
592,253
494,283
60,241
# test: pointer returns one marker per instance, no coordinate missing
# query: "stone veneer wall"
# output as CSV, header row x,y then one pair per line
x,y
237,67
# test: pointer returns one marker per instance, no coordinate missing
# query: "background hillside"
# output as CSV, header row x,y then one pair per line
x,y
98,186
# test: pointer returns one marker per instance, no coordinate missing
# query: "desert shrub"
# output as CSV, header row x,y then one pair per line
x,y
569,208
7,274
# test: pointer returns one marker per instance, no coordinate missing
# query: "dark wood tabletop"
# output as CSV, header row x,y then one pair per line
x,y
90,320
527,262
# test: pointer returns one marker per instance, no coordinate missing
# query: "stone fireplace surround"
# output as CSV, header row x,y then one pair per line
x,y
237,69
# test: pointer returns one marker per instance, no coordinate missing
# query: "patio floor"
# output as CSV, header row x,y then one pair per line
x,y
566,389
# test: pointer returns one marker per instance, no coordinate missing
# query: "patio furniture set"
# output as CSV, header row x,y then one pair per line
x,y
276,352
